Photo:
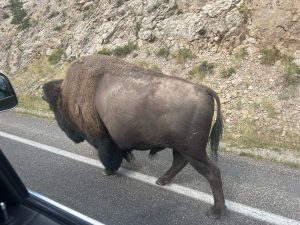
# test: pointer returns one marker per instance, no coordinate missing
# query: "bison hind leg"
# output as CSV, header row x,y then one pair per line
x,y
110,155
152,155
153,152
129,157
179,162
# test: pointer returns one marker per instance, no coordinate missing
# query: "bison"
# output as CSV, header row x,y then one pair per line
x,y
118,107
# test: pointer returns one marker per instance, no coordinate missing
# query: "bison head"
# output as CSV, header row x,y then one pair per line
x,y
52,95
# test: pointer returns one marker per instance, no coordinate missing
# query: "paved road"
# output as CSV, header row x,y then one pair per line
x,y
128,199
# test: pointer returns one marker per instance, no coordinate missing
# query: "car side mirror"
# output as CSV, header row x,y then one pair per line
x,y
8,97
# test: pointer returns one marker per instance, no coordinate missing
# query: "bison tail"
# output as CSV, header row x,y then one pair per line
x,y
217,129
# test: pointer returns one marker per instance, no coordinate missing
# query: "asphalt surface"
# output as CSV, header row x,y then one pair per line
x,y
119,199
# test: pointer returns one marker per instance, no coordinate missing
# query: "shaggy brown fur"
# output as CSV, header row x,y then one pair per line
x,y
78,91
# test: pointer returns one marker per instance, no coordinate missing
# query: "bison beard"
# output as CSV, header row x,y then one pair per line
x,y
118,107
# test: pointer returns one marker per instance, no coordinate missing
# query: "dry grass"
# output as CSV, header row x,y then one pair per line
x,y
246,135
182,55
201,70
269,55
259,157
33,105
147,65
29,80
227,72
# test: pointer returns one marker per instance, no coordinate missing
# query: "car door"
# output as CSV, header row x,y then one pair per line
x,y
18,205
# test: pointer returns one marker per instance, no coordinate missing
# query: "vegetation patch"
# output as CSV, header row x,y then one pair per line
x,y
227,72
291,71
147,65
251,155
288,92
255,156
28,82
269,56
19,14
105,51
183,54
239,104
201,70
267,104
194,72
245,11
163,52
56,55
124,50
246,135
35,104
206,67
241,54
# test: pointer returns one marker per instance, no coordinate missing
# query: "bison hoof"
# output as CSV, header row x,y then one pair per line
x,y
215,213
107,172
163,181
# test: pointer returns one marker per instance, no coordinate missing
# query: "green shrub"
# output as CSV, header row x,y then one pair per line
x,y
56,55
241,54
245,11
206,68
105,51
194,72
124,50
19,14
202,69
269,56
227,72
183,54
290,71
163,52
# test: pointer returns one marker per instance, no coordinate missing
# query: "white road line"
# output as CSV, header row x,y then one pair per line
x,y
233,206
67,209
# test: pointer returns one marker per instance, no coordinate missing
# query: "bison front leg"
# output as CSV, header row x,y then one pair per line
x,y
213,175
179,162
110,155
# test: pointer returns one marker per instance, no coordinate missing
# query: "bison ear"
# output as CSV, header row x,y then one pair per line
x,y
52,91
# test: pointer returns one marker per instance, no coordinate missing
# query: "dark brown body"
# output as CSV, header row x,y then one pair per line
x,y
118,107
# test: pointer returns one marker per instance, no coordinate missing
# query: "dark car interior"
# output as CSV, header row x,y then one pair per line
x,y
19,206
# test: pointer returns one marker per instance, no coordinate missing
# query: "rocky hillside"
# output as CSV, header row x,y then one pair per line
x,y
247,50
